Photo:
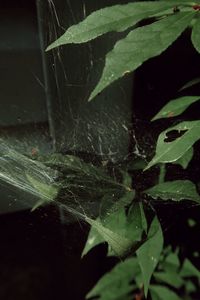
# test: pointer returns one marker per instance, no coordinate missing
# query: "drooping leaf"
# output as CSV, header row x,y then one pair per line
x,y
176,107
114,18
177,190
159,292
117,284
47,192
148,254
196,35
170,151
185,159
140,45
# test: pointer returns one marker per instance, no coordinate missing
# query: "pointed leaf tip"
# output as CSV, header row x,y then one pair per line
x,y
140,45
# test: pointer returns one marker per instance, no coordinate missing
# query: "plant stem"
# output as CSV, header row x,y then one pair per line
x,y
162,174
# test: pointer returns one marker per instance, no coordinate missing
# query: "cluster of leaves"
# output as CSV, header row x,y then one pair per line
x,y
125,280
124,224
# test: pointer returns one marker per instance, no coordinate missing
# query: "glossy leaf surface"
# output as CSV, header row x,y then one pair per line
x,y
114,18
140,45
168,150
175,107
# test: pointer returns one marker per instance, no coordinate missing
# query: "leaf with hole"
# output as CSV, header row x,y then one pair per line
x,y
176,107
140,45
170,151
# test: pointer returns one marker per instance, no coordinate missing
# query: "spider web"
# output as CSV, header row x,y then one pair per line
x,y
105,134
100,133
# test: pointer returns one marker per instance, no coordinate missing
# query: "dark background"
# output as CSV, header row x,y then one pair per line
x,y
39,254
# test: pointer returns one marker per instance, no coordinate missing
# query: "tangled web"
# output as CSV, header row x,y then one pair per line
x,y
97,142
65,180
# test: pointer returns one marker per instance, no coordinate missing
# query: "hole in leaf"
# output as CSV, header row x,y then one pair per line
x,y
173,135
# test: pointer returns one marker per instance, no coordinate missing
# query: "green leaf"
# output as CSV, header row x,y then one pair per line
x,y
140,45
122,233
119,244
190,287
177,190
171,151
190,84
117,284
176,107
159,292
170,278
185,159
94,238
84,181
136,221
114,18
136,164
189,270
196,35
47,192
108,219
171,263
71,163
149,253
